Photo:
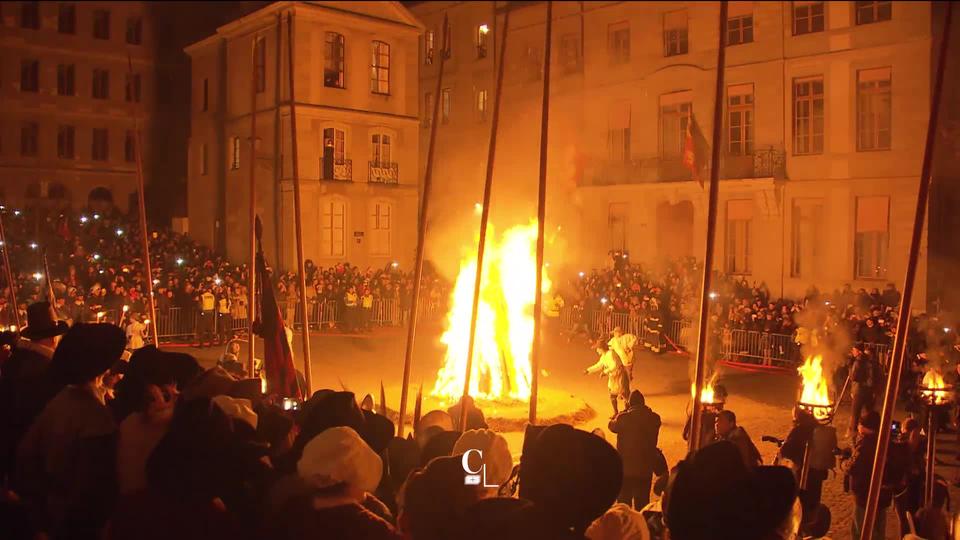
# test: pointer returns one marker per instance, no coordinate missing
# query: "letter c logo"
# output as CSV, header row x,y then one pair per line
x,y
465,460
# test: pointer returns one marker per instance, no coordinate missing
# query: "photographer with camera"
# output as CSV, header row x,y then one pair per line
x,y
859,469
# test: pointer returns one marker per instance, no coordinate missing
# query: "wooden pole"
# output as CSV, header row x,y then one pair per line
x,y
699,370
541,218
421,241
307,371
252,267
141,202
903,318
484,219
9,271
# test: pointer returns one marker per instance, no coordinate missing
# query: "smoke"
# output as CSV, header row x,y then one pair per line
x,y
821,331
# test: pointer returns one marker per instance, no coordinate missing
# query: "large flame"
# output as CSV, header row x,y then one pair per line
x,y
504,334
934,388
707,395
815,395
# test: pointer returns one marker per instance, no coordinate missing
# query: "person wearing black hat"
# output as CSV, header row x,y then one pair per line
x,y
65,462
23,391
637,429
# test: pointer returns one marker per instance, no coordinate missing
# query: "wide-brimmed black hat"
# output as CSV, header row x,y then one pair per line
x,y
88,350
42,322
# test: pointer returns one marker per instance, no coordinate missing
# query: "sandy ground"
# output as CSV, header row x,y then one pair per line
x,y
762,401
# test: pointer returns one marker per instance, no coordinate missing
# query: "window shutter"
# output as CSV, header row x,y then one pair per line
x,y
675,20
873,214
739,9
620,115
740,210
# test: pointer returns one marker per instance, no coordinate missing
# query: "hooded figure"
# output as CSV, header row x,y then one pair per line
x,y
434,499
65,462
637,429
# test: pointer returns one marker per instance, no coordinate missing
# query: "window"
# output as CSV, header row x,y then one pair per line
x,y
380,217
260,63
333,63
675,111
675,33
203,159
618,43
871,12
101,148
29,133
67,19
445,98
30,15
617,225
65,80
429,46
133,88
380,149
618,133
533,64
807,237
101,24
482,32
134,30
808,116
235,155
336,138
807,17
739,215
739,30
569,53
872,237
332,229
206,95
428,109
65,139
740,120
101,84
482,103
380,68
873,109
29,75
130,147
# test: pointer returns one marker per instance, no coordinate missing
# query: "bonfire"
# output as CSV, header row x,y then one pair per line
x,y
815,397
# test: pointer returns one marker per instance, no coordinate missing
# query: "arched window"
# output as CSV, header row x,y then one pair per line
x,y
333,232
381,220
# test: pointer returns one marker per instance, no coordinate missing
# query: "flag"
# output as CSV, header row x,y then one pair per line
x,y
690,151
277,357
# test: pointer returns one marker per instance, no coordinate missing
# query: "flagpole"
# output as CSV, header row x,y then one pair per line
x,y
9,271
903,317
307,368
141,202
699,369
51,295
541,218
421,243
484,219
252,270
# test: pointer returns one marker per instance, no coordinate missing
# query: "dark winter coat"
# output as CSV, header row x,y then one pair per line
x,y
637,429
25,388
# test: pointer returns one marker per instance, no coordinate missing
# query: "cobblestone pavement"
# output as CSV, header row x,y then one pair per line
x,y
762,401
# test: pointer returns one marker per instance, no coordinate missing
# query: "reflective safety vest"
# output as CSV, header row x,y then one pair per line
x,y
207,301
350,300
367,301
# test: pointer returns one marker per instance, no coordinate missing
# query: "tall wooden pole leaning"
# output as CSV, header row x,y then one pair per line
x,y
141,202
699,374
307,371
541,218
9,271
484,217
903,317
421,240
252,267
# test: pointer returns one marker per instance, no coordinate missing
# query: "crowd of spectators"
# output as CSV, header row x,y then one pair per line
x,y
672,294
95,261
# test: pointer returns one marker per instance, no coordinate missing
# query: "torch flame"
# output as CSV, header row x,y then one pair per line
x,y
706,395
934,388
815,393
504,333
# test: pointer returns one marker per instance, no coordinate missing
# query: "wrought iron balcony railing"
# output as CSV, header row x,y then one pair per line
x,y
340,171
768,162
384,172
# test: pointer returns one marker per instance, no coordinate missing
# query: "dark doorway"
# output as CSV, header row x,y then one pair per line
x,y
674,230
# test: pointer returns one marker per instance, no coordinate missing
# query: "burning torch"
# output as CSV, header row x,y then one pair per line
x,y
935,393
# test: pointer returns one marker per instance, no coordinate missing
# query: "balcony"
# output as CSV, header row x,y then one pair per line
x,y
768,162
336,171
381,172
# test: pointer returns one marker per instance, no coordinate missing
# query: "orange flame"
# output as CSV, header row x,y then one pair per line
x,y
815,391
934,388
707,396
504,333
